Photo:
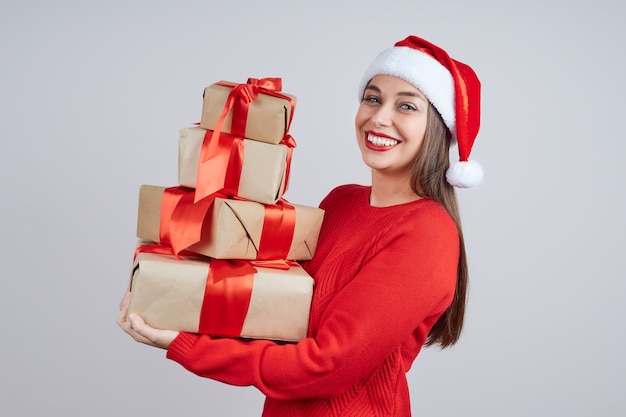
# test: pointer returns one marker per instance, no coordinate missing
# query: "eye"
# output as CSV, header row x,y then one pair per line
x,y
408,107
371,99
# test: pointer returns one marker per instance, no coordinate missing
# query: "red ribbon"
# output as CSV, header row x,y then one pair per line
x,y
235,165
220,165
283,264
279,225
182,220
160,249
290,142
214,158
171,197
226,298
227,294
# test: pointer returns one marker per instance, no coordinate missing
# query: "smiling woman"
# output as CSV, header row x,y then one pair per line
x,y
390,270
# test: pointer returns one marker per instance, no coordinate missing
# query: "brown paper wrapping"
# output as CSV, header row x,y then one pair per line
x,y
268,116
263,173
233,229
168,294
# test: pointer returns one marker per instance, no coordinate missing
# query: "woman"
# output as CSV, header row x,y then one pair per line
x,y
390,266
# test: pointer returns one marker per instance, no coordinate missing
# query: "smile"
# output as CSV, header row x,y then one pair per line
x,y
381,142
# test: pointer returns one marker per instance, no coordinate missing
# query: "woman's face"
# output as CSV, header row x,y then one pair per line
x,y
391,124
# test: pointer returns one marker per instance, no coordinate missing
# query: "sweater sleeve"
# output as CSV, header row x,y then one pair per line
x,y
404,287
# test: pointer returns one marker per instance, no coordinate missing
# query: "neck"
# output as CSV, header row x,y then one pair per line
x,y
389,190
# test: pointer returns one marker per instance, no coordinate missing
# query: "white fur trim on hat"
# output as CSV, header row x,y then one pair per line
x,y
420,70
464,174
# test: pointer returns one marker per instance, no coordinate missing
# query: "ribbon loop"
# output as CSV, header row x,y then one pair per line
x,y
182,219
288,141
245,93
270,83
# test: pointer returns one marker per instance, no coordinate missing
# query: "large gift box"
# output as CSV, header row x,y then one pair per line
x,y
185,294
268,115
263,172
234,229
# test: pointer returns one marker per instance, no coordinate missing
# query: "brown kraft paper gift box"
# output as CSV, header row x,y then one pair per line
x,y
268,116
233,228
168,293
263,174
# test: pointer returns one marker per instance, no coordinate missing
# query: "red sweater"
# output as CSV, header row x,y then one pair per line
x,y
382,278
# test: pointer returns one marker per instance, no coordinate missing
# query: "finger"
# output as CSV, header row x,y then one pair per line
x,y
121,318
141,339
128,327
125,300
124,324
150,335
140,328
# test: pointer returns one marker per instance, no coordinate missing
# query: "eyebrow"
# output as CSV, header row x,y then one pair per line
x,y
401,93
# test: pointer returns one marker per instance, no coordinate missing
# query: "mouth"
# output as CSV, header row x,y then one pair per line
x,y
379,142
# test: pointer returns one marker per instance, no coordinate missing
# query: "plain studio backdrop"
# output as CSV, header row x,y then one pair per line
x,y
93,95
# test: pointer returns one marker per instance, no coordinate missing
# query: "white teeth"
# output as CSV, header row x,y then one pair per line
x,y
378,141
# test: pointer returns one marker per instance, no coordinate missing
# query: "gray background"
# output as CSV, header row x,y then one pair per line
x,y
93,94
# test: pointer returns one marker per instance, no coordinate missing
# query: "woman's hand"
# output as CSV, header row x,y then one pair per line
x,y
140,331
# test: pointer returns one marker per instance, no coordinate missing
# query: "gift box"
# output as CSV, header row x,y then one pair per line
x,y
263,172
233,229
186,295
268,115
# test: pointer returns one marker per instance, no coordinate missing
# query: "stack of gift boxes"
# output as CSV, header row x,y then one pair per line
x,y
219,252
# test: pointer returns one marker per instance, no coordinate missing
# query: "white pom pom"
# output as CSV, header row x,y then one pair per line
x,y
465,174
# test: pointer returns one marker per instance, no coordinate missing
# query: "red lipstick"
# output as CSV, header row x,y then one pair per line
x,y
381,142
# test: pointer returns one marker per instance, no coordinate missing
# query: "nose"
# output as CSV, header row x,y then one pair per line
x,y
382,117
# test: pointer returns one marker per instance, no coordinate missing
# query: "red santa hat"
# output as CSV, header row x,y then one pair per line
x,y
451,87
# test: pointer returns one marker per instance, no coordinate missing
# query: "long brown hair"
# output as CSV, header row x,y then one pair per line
x,y
429,181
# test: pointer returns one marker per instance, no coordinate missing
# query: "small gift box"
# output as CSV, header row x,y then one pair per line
x,y
260,176
200,295
228,228
265,118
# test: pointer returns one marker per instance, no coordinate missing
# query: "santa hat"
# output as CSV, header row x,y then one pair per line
x,y
451,87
